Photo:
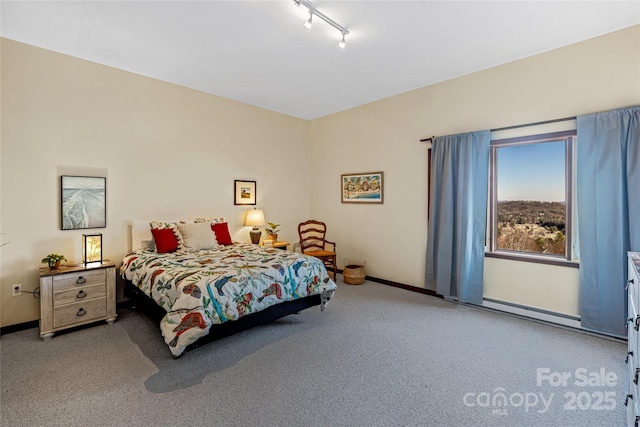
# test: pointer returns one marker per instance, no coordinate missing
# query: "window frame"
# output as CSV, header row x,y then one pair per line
x,y
569,138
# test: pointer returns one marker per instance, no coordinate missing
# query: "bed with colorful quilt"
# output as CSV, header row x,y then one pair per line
x,y
212,288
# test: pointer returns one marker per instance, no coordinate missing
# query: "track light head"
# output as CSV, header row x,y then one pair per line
x,y
342,44
308,22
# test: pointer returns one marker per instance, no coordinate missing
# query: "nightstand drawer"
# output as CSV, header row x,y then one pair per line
x,y
79,312
82,279
79,294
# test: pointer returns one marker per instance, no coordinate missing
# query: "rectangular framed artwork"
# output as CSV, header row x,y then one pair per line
x,y
362,187
244,192
83,202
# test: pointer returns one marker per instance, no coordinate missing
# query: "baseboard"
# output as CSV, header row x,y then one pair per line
x,y
524,312
36,323
517,309
401,286
19,327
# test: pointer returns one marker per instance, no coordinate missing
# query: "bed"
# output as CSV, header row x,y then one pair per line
x,y
216,288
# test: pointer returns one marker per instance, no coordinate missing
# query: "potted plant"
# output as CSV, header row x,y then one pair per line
x,y
53,260
272,231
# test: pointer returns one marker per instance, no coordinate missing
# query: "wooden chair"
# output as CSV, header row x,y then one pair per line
x,y
313,242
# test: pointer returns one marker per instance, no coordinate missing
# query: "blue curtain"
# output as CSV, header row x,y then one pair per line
x,y
608,190
458,214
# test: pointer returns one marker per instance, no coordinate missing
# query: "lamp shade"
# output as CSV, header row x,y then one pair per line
x,y
91,248
254,218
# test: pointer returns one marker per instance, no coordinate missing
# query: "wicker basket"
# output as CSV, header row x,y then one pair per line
x,y
354,274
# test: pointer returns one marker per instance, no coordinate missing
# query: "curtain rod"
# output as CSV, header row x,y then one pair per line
x,y
516,126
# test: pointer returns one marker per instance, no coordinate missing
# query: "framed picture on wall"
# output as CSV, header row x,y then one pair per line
x,y
244,192
365,187
83,202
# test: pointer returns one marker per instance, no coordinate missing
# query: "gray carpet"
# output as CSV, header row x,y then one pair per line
x,y
378,356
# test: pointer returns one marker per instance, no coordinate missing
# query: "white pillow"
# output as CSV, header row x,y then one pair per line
x,y
141,237
198,236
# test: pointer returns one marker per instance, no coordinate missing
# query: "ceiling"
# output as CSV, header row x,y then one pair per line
x,y
257,52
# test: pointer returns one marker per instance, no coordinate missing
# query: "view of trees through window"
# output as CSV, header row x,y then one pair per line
x,y
531,210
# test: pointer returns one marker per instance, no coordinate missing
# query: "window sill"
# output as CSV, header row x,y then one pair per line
x,y
533,258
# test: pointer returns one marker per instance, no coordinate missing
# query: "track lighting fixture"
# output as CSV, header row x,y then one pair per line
x,y
325,18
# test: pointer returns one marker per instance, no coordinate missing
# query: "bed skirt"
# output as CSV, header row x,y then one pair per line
x,y
218,331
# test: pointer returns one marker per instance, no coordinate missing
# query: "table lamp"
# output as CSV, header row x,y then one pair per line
x,y
91,248
255,219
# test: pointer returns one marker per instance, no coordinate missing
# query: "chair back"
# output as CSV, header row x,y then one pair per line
x,y
312,235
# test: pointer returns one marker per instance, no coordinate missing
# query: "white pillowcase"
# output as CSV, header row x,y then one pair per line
x,y
198,236
141,237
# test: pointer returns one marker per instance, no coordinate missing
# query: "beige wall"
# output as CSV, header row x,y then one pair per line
x,y
595,75
167,152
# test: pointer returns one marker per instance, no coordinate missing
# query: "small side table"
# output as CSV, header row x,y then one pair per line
x,y
277,245
76,295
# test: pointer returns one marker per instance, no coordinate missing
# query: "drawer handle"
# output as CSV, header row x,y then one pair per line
x,y
637,323
629,282
635,378
81,280
81,312
626,400
629,353
81,294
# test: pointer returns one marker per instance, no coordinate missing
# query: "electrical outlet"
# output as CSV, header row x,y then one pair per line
x,y
16,290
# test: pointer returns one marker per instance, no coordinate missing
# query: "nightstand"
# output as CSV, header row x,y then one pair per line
x,y
278,245
76,295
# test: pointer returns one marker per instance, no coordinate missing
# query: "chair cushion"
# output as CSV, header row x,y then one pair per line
x,y
320,254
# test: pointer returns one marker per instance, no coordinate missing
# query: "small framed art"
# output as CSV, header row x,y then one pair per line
x,y
244,192
362,187
83,202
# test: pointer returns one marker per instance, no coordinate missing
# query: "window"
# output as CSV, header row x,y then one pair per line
x,y
531,193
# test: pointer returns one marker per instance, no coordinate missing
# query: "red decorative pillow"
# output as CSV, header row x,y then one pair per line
x,y
222,233
165,240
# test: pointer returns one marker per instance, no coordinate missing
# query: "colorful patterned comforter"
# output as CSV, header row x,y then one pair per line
x,y
201,288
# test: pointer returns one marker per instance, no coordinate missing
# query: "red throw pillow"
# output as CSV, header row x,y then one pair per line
x,y
165,240
222,233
